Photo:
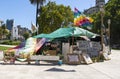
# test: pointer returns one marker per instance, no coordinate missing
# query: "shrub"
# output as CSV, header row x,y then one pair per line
x,y
9,42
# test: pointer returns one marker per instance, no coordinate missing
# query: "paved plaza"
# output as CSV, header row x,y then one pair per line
x,y
101,70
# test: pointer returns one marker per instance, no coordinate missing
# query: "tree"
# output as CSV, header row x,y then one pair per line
x,y
3,31
112,11
39,4
97,23
0,33
54,16
26,35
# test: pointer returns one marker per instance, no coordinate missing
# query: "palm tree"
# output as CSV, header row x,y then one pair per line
x,y
39,4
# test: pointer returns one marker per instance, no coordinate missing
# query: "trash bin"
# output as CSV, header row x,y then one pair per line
x,y
60,62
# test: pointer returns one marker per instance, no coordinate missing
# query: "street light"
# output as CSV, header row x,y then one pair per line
x,y
109,22
102,11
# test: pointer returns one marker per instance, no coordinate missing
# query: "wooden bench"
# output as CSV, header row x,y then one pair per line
x,y
1,55
44,58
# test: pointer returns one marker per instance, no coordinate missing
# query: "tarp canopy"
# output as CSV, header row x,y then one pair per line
x,y
61,32
82,32
67,32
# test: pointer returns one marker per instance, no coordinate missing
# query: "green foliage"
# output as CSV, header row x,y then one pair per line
x,y
3,31
97,23
53,17
3,48
26,35
9,42
39,4
15,42
61,56
112,11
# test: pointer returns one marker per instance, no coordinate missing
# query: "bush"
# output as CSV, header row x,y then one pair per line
x,y
9,42
16,42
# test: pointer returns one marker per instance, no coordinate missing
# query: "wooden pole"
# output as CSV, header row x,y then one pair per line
x,y
102,31
102,25
109,22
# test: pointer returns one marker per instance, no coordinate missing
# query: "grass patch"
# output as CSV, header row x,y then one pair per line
x,y
3,48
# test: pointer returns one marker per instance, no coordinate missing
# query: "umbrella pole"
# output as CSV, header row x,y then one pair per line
x,y
72,43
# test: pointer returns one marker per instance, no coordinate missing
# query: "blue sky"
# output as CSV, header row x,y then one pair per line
x,y
23,12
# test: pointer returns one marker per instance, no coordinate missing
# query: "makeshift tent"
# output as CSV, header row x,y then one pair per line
x,y
82,32
61,32
67,32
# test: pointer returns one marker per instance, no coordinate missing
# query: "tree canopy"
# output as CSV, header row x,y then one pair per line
x,y
3,31
53,17
112,11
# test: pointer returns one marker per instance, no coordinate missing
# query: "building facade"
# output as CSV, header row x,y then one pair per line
x,y
95,8
22,30
18,32
14,33
9,24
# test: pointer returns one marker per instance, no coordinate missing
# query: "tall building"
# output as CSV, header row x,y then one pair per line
x,y
22,31
14,33
95,8
9,24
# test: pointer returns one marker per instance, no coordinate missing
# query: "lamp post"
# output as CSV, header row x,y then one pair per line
x,y
109,22
102,25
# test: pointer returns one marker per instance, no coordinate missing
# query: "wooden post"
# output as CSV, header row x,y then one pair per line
x,y
109,22
102,25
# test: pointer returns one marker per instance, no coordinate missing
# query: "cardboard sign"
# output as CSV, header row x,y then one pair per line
x,y
83,44
87,58
95,45
93,52
106,57
73,59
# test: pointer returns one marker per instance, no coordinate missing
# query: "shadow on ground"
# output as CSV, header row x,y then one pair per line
x,y
59,70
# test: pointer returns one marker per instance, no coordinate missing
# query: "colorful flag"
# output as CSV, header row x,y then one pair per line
x,y
81,20
40,44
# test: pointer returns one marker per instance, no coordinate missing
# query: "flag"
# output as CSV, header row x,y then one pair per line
x,y
81,19
33,27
